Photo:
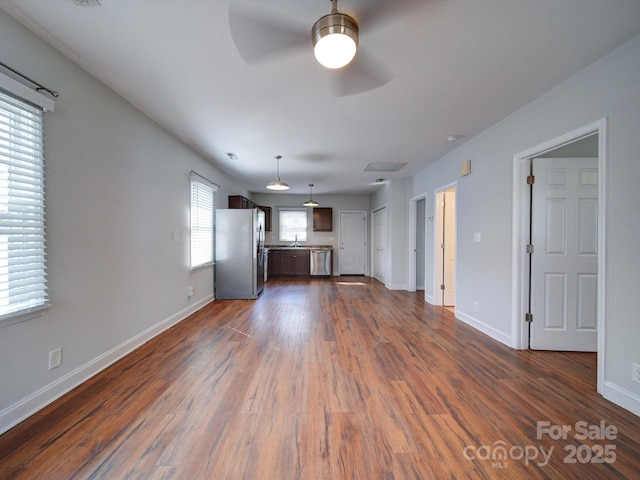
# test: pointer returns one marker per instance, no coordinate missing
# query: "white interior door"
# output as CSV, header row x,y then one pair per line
x,y
379,243
564,262
353,243
449,249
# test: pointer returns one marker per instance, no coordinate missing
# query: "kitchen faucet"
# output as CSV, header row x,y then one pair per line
x,y
295,243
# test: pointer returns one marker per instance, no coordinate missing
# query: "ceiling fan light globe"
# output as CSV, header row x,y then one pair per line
x,y
335,50
335,40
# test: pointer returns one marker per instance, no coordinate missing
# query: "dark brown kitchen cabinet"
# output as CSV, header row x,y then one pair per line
x,y
273,263
294,262
238,201
267,217
323,219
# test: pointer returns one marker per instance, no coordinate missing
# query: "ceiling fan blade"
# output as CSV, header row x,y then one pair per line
x,y
363,74
260,37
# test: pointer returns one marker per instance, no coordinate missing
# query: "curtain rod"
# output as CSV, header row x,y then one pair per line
x,y
53,93
204,178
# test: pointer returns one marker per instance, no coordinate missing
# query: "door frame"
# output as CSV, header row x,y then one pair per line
x,y
413,227
437,240
372,243
520,236
366,238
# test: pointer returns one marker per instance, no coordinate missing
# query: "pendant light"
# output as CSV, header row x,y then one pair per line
x,y
311,202
278,184
335,38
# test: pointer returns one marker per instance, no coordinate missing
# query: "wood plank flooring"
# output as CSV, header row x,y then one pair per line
x,y
327,379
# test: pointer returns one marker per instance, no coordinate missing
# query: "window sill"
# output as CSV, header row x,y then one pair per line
x,y
23,316
200,267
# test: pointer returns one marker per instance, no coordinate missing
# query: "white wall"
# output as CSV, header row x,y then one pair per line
x,y
117,188
344,203
609,88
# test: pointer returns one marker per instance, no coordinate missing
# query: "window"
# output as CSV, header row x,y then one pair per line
x,y
202,221
23,279
293,221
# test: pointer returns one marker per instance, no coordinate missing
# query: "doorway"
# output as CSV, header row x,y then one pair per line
x,y
445,242
521,235
379,243
353,243
417,243
564,260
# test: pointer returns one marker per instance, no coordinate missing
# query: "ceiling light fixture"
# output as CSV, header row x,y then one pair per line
x,y
311,202
335,38
278,184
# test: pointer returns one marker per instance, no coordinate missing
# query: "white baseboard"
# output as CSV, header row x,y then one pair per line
x,y
19,411
484,328
622,397
396,287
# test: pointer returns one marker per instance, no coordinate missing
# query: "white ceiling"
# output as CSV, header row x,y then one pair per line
x,y
455,67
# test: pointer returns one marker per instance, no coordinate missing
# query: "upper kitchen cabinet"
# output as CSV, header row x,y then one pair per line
x,y
267,217
238,201
323,219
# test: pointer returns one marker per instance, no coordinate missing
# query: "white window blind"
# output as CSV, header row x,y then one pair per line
x,y
202,221
23,280
292,222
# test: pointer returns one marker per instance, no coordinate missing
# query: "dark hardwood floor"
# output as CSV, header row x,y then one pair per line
x,y
327,379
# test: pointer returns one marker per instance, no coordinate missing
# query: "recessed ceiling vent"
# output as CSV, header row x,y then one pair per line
x,y
87,3
384,167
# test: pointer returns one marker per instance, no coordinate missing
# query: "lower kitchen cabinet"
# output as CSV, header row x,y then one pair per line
x,y
273,263
294,262
288,262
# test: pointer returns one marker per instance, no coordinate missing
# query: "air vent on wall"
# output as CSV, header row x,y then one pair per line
x,y
384,167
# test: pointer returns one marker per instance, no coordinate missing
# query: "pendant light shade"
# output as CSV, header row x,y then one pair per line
x,y
278,184
311,202
335,39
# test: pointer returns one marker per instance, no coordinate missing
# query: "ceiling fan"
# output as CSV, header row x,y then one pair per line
x,y
265,35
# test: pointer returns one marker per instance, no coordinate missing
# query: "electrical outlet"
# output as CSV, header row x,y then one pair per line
x,y
635,373
476,306
55,358
191,292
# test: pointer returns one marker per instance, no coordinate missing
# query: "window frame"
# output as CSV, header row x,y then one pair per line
x,y
305,233
22,138
204,218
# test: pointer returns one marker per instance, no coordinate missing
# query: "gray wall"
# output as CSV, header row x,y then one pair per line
x,y
607,89
117,188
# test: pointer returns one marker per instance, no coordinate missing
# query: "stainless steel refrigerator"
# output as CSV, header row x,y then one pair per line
x,y
239,262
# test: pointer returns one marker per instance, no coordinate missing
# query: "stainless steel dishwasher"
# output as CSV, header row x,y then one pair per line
x,y
320,262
